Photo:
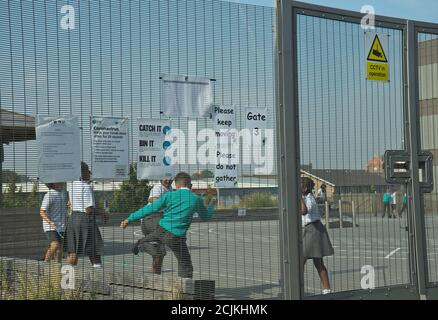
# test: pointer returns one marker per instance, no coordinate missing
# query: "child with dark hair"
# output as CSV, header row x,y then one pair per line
x,y
316,242
83,236
150,223
387,197
178,208
53,212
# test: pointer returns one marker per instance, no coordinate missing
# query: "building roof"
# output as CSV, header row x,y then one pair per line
x,y
15,127
347,178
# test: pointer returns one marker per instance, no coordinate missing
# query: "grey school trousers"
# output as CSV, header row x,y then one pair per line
x,y
178,245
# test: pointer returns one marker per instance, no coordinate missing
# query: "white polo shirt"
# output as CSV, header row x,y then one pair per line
x,y
158,190
312,210
394,198
55,204
321,194
81,195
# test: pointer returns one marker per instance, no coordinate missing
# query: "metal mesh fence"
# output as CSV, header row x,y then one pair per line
x,y
428,95
346,124
110,65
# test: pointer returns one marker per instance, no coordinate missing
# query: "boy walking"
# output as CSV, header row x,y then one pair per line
x,y
387,204
53,212
178,209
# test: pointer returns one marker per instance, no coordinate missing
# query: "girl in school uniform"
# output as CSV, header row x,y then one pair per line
x,y
316,242
83,237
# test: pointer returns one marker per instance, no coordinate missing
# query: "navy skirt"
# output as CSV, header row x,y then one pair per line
x,y
82,235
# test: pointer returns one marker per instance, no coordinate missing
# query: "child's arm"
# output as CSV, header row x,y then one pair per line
x,y
44,215
204,213
147,210
45,206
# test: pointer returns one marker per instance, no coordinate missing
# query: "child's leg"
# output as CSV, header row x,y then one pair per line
x,y
322,271
179,248
157,264
52,251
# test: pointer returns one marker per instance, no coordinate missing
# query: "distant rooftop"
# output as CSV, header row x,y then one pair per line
x,y
347,178
15,127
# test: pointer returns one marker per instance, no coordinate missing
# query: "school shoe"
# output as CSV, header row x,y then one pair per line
x,y
135,249
327,291
97,265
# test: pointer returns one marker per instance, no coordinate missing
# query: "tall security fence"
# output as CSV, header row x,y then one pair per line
x,y
360,95
105,58
305,92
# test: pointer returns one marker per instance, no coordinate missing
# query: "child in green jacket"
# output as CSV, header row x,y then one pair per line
x,y
178,208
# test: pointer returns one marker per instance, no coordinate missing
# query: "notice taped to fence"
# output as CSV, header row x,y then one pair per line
x,y
186,96
59,152
224,118
153,141
256,119
226,171
227,153
110,148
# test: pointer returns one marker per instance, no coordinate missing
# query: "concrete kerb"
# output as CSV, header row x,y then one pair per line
x,y
109,282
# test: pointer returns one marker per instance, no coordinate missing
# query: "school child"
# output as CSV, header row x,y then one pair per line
x,y
387,198
53,212
394,203
316,242
404,205
322,194
83,237
178,208
150,223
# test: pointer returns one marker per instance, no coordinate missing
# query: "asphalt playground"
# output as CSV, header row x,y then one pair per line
x,y
243,256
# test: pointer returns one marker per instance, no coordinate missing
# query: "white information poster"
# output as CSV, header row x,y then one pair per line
x,y
110,154
152,163
186,96
226,170
59,151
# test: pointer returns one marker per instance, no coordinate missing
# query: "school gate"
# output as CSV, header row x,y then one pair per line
x,y
105,58
347,97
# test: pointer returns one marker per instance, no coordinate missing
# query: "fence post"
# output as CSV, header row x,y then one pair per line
x,y
340,214
353,208
327,212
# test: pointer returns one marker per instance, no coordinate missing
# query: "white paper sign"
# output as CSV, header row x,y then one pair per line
x,y
186,96
224,118
152,163
226,171
110,148
59,151
256,119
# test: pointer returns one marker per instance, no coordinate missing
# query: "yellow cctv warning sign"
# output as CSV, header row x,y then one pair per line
x,y
377,66
377,53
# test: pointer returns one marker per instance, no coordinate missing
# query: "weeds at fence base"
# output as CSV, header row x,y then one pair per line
x,y
21,285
